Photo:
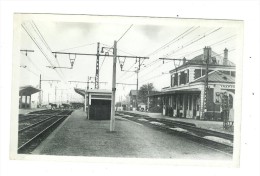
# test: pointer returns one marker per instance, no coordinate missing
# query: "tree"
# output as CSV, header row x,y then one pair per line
x,y
144,90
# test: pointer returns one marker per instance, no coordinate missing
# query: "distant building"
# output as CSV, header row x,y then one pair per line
x,y
184,97
25,97
132,95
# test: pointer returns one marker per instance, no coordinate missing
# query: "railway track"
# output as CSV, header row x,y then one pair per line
x,y
32,131
213,139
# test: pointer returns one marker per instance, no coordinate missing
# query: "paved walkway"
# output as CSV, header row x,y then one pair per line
x,y
211,125
77,136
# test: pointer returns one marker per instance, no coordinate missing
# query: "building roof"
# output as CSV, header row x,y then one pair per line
x,y
215,60
218,77
28,90
80,91
133,93
92,91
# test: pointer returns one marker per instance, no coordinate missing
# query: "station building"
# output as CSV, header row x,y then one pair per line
x,y
185,95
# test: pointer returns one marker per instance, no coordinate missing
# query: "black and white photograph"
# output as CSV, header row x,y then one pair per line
x,y
128,87
103,88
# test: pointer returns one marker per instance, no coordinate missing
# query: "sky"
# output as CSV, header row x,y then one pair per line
x,y
153,38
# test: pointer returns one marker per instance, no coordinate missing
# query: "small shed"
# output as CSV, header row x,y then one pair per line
x,y
25,94
97,102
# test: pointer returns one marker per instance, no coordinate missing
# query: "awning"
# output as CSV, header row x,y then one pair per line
x,y
95,93
175,92
28,90
80,91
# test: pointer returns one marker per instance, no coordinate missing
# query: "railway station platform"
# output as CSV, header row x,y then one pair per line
x,y
210,125
26,111
77,136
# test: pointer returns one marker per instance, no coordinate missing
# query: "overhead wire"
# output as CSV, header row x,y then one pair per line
x,y
193,51
117,41
31,61
175,67
173,40
35,74
80,46
125,33
181,36
37,31
44,54
192,42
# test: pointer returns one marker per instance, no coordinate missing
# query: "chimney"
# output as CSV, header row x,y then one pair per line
x,y
225,60
184,60
205,51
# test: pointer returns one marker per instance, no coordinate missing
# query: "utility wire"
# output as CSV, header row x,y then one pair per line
x,y
117,41
36,29
192,52
124,33
40,35
46,57
192,42
181,36
216,43
171,42
80,46
35,74
189,43
126,52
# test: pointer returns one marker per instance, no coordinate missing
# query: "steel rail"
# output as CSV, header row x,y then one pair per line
x,y
38,123
27,143
213,144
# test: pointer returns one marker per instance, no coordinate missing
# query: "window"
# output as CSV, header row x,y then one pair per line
x,y
172,80
175,79
187,76
182,78
197,73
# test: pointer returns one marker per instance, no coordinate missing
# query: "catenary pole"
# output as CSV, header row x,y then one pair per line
x,y
97,69
40,93
204,105
112,118
137,81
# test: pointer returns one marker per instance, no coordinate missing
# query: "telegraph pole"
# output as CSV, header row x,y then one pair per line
x,y
55,93
97,69
112,118
137,81
88,83
136,98
40,93
204,105
148,101
40,86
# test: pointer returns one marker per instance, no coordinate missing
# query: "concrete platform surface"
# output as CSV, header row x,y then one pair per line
x,y
78,136
211,125
26,111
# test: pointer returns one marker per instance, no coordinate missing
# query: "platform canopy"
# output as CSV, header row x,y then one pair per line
x,y
95,93
80,91
28,90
